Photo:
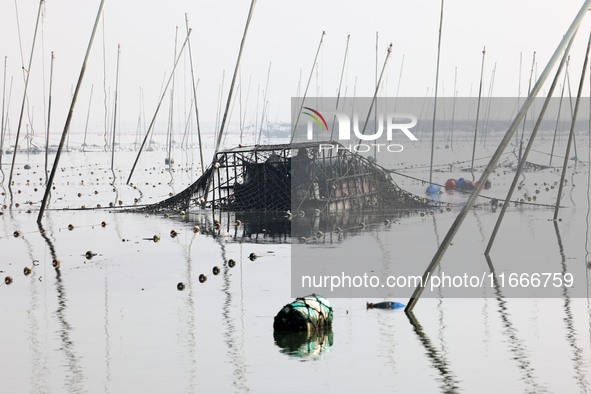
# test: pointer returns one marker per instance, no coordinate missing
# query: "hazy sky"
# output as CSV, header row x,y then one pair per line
x,y
284,33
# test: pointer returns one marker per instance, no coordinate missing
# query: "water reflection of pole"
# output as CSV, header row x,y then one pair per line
x,y
48,117
516,346
571,336
439,362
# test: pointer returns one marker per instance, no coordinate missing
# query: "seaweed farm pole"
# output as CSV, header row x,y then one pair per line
x,y
496,156
48,116
558,115
340,85
531,73
87,118
193,85
236,68
28,74
477,112
70,114
3,113
295,125
375,95
572,130
157,109
435,101
264,104
453,109
530,143
115,109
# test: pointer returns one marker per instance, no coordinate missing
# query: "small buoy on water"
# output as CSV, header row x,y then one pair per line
x,y
182,213
89,255
156,238
70,227
196,229
252,256
231,263
319,234
202,278
8,280
215,270
173,233
450,184
16,234
338,230
103,224
301,214
27,271
432,189
217,226
180,286
55,263
237,222
387,222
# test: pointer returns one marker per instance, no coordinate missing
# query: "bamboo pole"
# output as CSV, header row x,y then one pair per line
x,y
340,85
3,113
435,100
530,143
70,114
496,156
236,68
572,131
558,115
295,125
157,109
477,112
48,117
115,110
194,88
87,118
28,74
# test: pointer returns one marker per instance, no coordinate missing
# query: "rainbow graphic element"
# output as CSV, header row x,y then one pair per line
x,y
317,116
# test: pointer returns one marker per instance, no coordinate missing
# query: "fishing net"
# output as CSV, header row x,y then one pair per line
x,y
293,177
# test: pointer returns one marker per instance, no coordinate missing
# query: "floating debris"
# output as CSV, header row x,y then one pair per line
x,y
384,305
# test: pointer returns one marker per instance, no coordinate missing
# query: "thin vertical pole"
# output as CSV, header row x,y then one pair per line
x,y
572,131
453,110
70,114
340,85
157,109
558,115
194,86
295,125
115,110
531,73
3,113
28,74
87,118
237,67
375,95
496,156
48,116
375,114
435,100
530,144
264,103
477,113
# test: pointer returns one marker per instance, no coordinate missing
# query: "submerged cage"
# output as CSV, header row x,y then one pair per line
x,y
300,176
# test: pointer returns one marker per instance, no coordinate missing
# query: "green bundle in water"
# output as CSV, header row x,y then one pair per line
x,y
309,313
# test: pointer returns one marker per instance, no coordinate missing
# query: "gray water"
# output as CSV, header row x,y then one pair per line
x,y
117,323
